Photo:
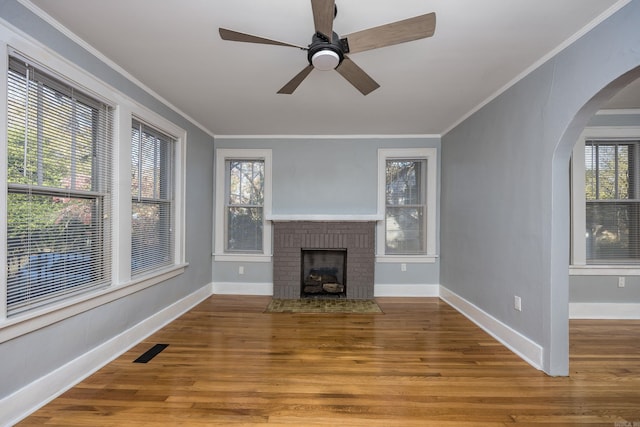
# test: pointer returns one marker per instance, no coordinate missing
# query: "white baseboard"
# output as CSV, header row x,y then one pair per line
x,y
35,395
235,288
588,310
528,350
406,290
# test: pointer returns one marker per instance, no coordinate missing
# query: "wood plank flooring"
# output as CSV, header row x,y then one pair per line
x,y
420,363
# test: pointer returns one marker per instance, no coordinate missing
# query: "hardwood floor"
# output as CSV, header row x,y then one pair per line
x,y
420,363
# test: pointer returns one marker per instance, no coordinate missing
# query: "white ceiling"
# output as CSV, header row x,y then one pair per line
x,y
229,88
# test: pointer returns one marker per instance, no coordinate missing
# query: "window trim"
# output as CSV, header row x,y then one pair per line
x,y
171,200
430,155
121,284
222,155
125,116
579,264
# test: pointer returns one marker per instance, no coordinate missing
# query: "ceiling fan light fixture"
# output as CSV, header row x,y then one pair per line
x,y
325,60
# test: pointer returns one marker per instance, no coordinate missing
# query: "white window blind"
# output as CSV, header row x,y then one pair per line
x,y
59,189
612,202
244,205
405,207
152,229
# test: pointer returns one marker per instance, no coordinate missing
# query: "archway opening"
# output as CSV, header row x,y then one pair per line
x,y
563,253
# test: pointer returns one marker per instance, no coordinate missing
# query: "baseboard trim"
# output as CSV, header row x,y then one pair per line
x,y
35,395
613,311
238,288
525,348
406,290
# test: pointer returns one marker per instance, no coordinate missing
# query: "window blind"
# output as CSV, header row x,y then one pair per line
x,y
152,235
612,202
59,189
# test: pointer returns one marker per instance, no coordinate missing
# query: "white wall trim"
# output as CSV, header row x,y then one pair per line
x,y
618,112
336,136
614,311
219,185
528,350
429,154
29,322
421,290
266,289
323,217
35,395
237,288
241,258
407,259
604,270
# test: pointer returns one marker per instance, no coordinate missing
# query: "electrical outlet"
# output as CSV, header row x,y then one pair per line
x,y
517,303
621,282
403,267
241,270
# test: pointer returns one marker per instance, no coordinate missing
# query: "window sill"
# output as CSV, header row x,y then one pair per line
x,y
241,258
604,270
28,322
417,259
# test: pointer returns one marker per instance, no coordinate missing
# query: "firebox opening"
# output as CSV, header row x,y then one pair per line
x,y
323,273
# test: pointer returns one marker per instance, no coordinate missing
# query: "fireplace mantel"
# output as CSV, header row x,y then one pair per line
x,y
323,217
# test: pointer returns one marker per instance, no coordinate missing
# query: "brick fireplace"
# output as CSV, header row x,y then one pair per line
x,y
291,238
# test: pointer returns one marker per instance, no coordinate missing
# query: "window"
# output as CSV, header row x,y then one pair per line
x,y
242,204
405,207
152,237
59,189
407,186
606,198
612,202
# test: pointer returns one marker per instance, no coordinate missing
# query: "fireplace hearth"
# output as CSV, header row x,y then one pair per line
x,y
342,265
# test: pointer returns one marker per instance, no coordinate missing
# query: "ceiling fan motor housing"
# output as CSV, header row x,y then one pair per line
x,y
325,54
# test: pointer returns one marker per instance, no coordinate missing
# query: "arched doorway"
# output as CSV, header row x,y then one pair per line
x,y
558,354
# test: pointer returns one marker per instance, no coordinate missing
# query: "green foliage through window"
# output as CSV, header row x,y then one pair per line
x,y
58,145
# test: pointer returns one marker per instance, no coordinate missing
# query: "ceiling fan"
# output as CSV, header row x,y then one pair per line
x,y
327,50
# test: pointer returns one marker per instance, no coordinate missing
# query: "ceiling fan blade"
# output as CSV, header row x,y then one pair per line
x,y
323,14
235,36
418,27
293,84
356,76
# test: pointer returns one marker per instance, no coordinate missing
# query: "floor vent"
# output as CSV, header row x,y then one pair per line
x,y
151,353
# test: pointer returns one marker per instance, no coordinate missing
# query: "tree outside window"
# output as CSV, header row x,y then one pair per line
x,y
405,207
244,207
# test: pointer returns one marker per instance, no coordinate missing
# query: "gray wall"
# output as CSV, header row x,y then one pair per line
x,y
604,289
315,176
30,356
505,186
